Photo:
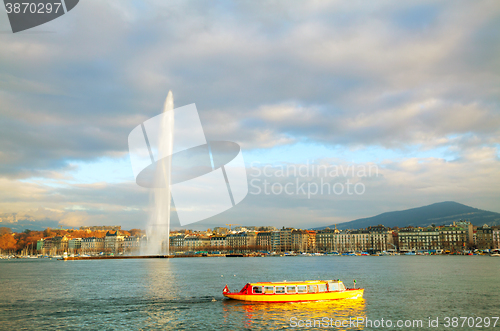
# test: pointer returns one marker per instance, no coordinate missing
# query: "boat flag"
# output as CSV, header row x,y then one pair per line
x,y
226,289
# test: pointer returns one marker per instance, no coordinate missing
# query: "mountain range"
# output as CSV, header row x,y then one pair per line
x,y
441,213
21,225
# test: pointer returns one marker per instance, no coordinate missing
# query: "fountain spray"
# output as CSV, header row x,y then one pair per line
x,y
158,228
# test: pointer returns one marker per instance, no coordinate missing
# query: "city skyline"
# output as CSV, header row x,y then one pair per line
x,y
458,237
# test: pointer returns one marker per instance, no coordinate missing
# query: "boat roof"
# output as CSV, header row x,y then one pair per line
x,y
303,282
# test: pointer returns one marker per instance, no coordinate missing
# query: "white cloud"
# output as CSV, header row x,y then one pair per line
x,y
385,76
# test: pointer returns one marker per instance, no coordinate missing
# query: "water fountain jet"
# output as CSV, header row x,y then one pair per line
x,y
158,227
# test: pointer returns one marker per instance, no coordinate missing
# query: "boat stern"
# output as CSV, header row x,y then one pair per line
x,y
356,293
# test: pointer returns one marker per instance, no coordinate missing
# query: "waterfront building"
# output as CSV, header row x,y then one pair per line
x,y
47,247
92,245
299,241
419,239
496,237
177,241
60,243
286,239
268,241
242,241
132,243
74,245
378,238
113,242
453,238
39,245
311,240
196,243
342,242
469,228
360,240
218,241
276,241
263,240
484,237
55,245
381,238
326,239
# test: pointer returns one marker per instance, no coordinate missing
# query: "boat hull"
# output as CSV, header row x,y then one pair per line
x,y
347,294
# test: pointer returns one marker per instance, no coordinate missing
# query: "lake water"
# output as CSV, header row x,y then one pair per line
x,y
186,293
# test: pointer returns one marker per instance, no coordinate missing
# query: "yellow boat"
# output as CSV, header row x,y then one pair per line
x,y
285,291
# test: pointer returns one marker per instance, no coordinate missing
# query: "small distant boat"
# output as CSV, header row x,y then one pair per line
x,y
309,290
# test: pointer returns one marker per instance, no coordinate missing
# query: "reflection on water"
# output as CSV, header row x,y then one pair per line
x,y
172,292
186,294
278,315
158,276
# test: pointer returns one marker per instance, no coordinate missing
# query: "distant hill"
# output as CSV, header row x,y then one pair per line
x,y
21,225
438,213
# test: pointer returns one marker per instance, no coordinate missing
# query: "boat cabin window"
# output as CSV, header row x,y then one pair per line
x,y
290,289
313,289
302,289
322,288
280,289
342,287
269,289
257,289
333,286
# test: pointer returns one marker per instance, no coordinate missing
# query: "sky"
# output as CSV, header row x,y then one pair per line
x,y
410,90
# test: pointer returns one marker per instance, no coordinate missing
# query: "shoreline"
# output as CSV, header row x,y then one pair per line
x,y
72,258
110,257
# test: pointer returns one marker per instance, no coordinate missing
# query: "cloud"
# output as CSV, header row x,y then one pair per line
x,y
391,76
405,184
73,205
395,185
